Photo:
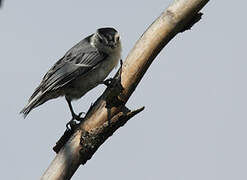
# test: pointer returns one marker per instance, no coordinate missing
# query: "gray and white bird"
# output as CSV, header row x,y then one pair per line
x,y
82,68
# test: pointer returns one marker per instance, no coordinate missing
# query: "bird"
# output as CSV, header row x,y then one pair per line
x,y
83,67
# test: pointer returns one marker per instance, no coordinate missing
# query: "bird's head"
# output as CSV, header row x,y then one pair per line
x,y
106,39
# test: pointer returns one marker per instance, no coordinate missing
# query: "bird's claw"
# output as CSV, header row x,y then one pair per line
x,y
115,82
72,123
78,117
110,82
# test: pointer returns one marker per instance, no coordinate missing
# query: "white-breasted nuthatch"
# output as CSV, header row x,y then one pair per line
x,y
82,68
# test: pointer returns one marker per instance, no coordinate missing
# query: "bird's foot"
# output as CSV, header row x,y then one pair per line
x,y
116,81
73,122
78,117
110,82
71,125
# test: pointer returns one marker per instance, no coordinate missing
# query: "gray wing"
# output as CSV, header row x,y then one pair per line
x,y
77,61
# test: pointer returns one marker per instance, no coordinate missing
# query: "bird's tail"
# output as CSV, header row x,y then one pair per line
x,y
32,103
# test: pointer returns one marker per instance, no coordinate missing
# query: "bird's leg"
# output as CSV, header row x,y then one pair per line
x,y
114,82
78,117
112,99
74,115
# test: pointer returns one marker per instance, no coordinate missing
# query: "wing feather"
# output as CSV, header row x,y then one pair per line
x,y
71,69
77,62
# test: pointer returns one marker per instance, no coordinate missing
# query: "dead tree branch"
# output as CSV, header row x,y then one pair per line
x,y
91,133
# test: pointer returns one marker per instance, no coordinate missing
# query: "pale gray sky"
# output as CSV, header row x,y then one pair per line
x,y
194,124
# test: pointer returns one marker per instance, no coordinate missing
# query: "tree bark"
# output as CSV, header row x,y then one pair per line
x,y
95,129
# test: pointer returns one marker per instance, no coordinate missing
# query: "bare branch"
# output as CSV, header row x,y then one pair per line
x,y
93,139
91,133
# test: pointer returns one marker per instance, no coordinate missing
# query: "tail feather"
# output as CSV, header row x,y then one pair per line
x,y
25,111
32,103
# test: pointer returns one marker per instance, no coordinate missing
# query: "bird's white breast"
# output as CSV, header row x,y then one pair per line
x,y
96,76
